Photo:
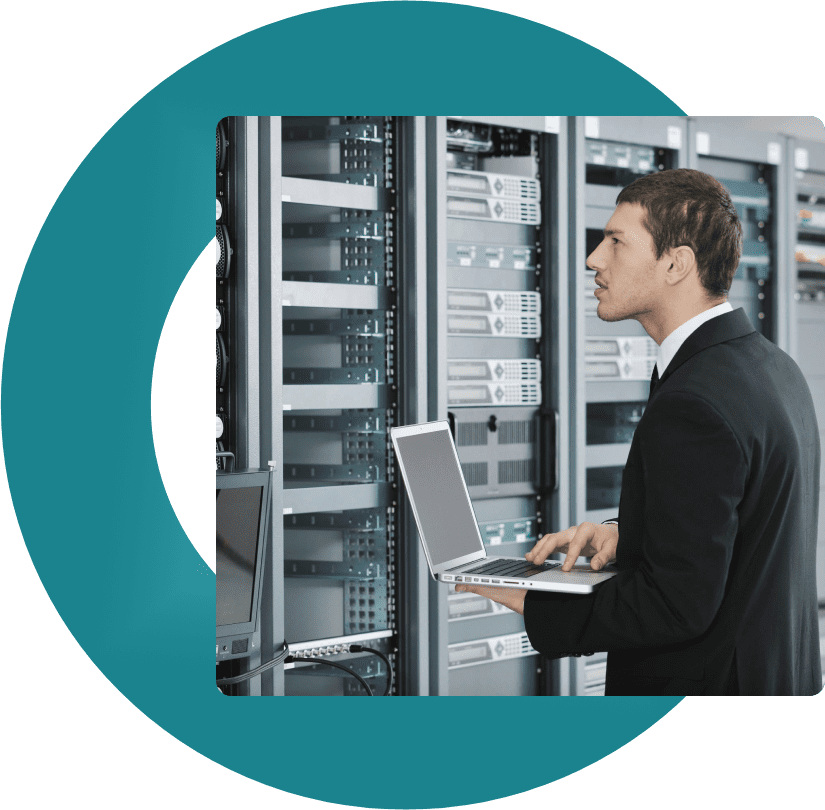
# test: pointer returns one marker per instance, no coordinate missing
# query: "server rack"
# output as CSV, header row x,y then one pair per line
x,y
316,321
339,299
808,314
753,168
611,363
493,182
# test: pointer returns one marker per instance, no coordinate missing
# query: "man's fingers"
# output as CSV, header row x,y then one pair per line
x,y
599,561
570,559
607,549
575,542
584,534
512,598
549,544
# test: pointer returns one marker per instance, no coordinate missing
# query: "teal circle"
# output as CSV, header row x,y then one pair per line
x,y
76,388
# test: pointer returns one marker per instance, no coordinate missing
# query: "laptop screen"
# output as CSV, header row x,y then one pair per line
x,y
436,488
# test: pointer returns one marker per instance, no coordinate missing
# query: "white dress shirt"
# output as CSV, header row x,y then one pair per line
x,y
673,342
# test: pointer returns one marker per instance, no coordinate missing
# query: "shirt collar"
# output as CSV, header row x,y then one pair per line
x,y
673,342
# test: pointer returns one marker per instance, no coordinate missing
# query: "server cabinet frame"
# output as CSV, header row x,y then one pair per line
x,y
270,385
414,577
558,343
436,149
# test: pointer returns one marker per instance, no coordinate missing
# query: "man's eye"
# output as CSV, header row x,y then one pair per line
x,y
615,241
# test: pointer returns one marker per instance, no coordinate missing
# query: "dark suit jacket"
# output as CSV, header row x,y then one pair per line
x,y
716,593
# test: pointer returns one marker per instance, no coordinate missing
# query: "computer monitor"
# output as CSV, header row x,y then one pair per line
x,y
242,500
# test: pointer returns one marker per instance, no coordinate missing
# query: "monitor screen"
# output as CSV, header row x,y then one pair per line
x,y
237,521
436,488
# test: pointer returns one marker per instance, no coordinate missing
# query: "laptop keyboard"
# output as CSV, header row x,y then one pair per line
x,y
509,568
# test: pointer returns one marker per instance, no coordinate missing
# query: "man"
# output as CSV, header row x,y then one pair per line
x,y
716,534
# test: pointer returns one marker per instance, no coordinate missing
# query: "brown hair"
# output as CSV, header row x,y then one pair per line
x,y
689,207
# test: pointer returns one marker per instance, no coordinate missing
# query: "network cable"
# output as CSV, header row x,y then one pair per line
x,y
284,657
278,659
337,666
360,648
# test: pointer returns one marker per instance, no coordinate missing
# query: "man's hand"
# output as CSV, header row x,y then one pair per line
x,y
595,540
512,598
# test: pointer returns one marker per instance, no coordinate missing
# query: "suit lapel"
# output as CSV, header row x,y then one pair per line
x,y
720,329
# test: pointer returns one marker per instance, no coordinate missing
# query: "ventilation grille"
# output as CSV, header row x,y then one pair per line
x,y
471,434
526,647
220,147
530,326
529,370
362,350
594,678
220,362
517,432
224,252
524,302
514,472
530,213
365,606
475,474
529,189
362,449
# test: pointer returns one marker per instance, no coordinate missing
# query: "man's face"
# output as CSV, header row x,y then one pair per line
x,y
627,273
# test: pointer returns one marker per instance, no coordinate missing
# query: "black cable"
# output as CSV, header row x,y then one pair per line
x,y
337,666
360,648
278,659
284,657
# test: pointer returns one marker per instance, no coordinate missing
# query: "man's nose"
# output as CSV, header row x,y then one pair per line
x,y
594,261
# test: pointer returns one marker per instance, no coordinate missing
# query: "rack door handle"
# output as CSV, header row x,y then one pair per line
x,y
549,452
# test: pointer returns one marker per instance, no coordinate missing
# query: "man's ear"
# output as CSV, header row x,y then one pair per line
x,y
681,262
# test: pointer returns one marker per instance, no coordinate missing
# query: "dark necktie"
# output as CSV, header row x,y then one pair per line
x,y
654,381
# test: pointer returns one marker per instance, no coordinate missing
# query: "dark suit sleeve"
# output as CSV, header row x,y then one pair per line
x,y
694,474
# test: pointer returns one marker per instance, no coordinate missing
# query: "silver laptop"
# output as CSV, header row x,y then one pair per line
x,y
447,524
